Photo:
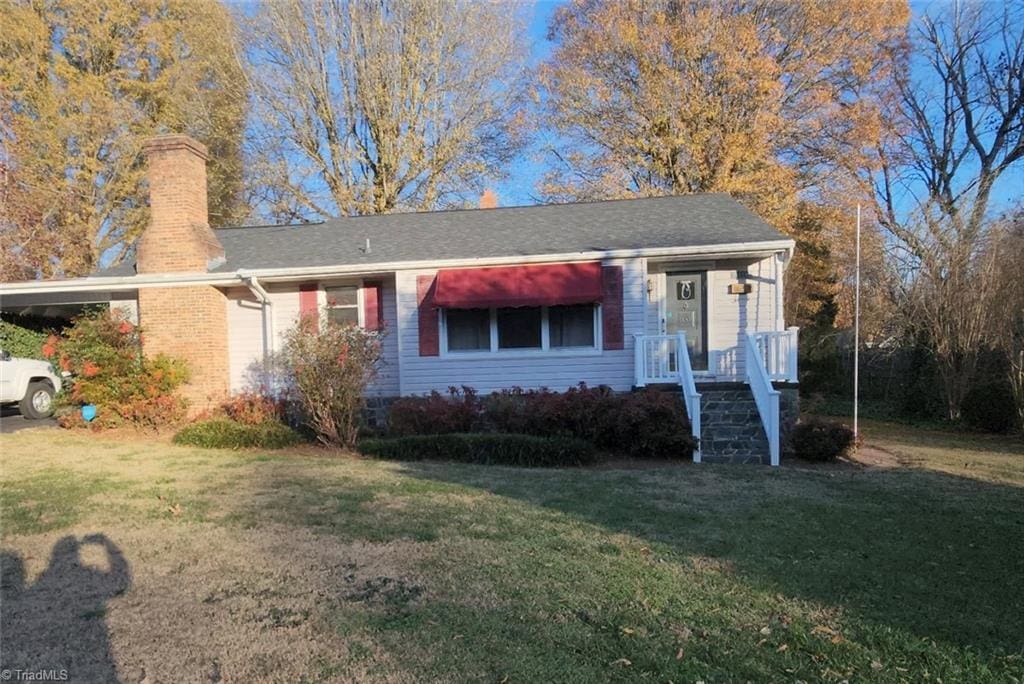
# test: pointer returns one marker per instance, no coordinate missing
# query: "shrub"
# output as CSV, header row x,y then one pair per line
x,y
821,440
252,408
103,353
328,366
990,407
221,433
484,448
435,414
20,340
648,423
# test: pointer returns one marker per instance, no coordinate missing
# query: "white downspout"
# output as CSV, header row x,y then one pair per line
x,y
267,309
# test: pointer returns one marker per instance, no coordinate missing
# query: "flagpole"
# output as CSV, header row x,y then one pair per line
x,y
856,336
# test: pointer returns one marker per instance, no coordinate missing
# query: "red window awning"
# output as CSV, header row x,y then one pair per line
x,y
540,285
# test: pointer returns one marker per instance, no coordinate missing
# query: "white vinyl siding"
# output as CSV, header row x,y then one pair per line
x,y
556,369
245,334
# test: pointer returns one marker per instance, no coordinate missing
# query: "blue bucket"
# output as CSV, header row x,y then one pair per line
x,y
88,412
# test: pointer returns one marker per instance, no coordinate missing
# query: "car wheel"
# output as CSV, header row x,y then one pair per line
x,y
38,400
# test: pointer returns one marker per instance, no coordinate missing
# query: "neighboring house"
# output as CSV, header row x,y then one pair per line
x,y
544,296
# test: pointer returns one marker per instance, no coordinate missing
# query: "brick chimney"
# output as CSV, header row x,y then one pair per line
x,y
188,323
489,200
178,237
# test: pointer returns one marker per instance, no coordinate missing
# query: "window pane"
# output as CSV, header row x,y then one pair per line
x,y
519,328
346,295
344,316
572,326
468,329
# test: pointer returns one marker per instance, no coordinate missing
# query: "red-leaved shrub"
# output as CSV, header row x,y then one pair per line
x,y
647,423
103,353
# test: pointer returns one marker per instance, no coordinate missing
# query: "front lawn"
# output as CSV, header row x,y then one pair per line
x,y
202,565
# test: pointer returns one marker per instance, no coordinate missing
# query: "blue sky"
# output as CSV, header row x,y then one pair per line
x,y
520,186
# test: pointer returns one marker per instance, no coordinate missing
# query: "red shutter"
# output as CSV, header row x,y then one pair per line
x,y
429,332
373,309
612,327
309,302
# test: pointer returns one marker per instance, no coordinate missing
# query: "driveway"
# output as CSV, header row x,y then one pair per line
x,y
11,420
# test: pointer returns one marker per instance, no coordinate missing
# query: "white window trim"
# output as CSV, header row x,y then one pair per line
x,y
545,350
322,300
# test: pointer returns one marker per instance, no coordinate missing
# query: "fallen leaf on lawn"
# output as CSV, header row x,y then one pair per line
x,y
645,550
679,654
766,630
683,633
783,647
175,509
457,636
627,630
837,639
822,629
875,665
623,662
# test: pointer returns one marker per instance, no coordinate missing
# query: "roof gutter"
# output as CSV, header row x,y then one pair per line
x,y
116,283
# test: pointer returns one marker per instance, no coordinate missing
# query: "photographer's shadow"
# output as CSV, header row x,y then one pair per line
x,y
58,623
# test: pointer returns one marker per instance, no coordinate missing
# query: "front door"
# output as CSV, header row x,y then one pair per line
x,y
686,311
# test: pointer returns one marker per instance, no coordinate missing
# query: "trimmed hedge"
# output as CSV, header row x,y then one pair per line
x,y
645,424
821,440
221,433
483,448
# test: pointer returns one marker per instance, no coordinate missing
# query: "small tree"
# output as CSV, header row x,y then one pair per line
x,y
329,366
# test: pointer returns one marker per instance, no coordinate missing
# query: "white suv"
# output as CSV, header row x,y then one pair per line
x,y
29,383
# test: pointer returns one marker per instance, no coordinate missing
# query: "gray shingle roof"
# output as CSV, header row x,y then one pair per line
x,y
682,221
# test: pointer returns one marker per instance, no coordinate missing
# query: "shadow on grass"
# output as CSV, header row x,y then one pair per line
x,y
58,623
902,558
937,555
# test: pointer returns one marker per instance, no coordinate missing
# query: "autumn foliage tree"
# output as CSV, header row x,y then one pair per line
x,y
748,98
83,83
758,99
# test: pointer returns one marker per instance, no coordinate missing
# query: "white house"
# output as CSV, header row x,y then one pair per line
x,y
540,296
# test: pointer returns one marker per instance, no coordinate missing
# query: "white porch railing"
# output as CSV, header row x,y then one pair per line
x,y
777,351
665,359
765,396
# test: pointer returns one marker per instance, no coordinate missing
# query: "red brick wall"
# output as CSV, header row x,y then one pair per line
x,y
189,323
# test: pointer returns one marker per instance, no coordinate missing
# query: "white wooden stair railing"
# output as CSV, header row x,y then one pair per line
x,y
665,359
778,352
690,395
765,395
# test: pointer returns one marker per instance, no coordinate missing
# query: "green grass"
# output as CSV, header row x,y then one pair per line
x,y
670,573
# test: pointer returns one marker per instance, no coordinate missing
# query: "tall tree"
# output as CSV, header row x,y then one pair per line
x,y
752,98
759,98
84,83
371,106
956,128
